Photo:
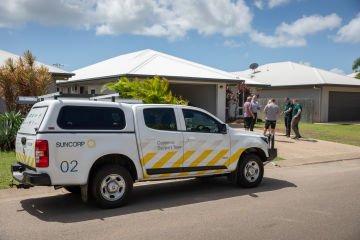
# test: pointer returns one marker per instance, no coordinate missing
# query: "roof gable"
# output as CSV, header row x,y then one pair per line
x,y
294,74
150,63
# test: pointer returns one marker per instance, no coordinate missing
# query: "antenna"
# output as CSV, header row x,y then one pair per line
x,y
58,65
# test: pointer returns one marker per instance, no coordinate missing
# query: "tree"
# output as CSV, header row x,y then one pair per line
x,y
22,78
151,90
356,67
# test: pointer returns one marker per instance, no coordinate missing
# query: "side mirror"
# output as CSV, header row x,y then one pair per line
x,y
223,128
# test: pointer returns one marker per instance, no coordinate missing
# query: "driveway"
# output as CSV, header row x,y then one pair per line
x,y
308,151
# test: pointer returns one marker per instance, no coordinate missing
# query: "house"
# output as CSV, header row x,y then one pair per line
x,y
335,97
353,75
56,73
203,86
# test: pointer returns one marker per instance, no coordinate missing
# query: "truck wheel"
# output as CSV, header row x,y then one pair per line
x,y
73,189
111,186
250,171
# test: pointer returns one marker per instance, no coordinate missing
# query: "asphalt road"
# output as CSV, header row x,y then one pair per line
x,y
319,201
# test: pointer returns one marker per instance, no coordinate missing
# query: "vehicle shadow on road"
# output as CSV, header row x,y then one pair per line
x,y
68,208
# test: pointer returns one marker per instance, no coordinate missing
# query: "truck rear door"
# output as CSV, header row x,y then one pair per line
x,y
26,136
161,144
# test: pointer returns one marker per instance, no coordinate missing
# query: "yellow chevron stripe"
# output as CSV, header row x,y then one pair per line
x,y
148,157
233,158
164,159
198,160
180,161
216,159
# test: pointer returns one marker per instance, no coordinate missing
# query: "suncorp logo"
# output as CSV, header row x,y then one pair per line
x,y
91,143
69,144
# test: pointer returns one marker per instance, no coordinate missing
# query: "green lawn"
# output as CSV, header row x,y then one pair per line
x,y
6,159
341,133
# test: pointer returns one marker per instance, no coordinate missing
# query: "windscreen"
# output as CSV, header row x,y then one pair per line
x,y
33,120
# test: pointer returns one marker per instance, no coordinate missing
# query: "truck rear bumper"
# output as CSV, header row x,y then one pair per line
x,y
24,176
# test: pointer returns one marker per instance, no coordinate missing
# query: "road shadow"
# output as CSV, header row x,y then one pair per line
x,y
68,208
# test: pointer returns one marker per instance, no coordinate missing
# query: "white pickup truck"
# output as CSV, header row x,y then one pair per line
x,y
102,148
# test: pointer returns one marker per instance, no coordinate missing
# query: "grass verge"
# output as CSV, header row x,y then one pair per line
x,y
340,133
6,159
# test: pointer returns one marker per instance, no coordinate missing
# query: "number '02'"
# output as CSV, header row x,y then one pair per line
x,y
66,166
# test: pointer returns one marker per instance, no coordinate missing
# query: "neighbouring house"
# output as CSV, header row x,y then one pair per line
x,y
335,97
56,73
203,86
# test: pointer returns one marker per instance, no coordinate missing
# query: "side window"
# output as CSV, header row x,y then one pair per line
x,y
160,118
91,118
196,121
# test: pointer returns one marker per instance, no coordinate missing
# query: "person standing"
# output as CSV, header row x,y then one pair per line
x,y
248,113
255,107
271,111
296,116
288,108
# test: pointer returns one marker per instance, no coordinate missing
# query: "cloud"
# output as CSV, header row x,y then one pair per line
x,y
350,32
232,44
259,4
294,34
161,18
337,70
276,3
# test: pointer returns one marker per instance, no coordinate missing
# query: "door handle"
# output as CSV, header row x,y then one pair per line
x,y
190,139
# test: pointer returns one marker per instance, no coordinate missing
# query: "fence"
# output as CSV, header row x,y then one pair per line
x,y
306,103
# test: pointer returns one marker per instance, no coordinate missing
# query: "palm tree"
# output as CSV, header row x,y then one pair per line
x,y
22,78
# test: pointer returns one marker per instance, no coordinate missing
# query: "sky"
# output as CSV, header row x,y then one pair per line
x,y
225,34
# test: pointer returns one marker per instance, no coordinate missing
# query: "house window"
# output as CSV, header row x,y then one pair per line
x,y
92,91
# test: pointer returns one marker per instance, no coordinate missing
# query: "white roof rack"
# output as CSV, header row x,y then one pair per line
x,y
107,98
115,97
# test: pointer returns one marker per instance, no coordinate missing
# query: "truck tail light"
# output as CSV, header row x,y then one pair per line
x,y
41,153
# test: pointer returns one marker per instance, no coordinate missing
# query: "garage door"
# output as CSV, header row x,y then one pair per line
x,y
344,106
199,95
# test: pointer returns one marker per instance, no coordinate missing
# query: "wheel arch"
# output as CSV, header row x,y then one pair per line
x,y
254,150
119,159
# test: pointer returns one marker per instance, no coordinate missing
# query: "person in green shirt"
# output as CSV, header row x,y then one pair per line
x,y
288,108
296,116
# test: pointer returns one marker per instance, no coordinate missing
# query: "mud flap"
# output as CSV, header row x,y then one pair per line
x,y
272,154
84,193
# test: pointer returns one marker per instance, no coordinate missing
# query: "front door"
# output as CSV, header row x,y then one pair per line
x,y
206,150
160,141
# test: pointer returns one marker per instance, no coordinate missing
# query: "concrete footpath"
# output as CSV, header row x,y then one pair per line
x,y
310,151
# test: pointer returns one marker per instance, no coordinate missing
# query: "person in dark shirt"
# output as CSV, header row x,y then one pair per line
x,y
296,116
288,108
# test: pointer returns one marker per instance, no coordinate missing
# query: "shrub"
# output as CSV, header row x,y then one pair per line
x,y
151,90
9,124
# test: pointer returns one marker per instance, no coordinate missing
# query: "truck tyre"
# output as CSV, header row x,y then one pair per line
x,y
73,189
250,171
111,186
